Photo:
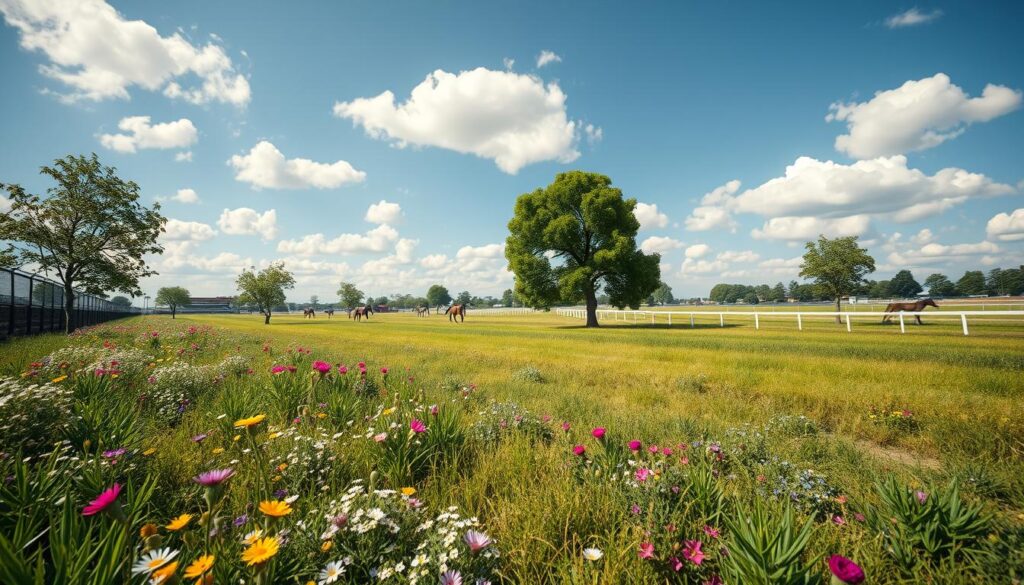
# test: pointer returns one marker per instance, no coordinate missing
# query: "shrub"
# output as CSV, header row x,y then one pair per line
x,y
128,363
172,388
769,546
528,374
504,418
33,417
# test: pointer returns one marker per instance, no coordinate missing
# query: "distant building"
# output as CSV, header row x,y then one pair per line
x,y
206,305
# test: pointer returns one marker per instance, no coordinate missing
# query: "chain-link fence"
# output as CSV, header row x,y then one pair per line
x,y
31,304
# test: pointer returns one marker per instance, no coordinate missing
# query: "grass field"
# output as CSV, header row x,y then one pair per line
x,y
925,408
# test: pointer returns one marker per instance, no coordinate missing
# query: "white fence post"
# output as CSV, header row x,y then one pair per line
x,y
848,323
903,328
721,319
799,323
757,322
691,321
963,321
652,317
670,319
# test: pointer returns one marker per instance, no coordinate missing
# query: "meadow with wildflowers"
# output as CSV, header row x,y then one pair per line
x,y
213,449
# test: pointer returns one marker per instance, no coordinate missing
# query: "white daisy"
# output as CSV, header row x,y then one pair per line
x,y
153,560
331,572
592,554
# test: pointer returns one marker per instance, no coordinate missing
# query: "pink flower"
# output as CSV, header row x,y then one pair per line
x,y
476,541
711,531
598,432
646,550
361,365
579,450
342,370
102,501
675,564
642,474
565,427
653,449
859,517
921,497
545,418
380,437
684,460
692,552
417,426
434,410
714,580
666,450
845,570
451,578
635,445
214,477
322,367
384,371
838,520
635,510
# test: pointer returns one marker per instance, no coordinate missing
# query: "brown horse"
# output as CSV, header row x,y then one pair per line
x,y
308,313
915,307
359,312
329,313
422,311
456,311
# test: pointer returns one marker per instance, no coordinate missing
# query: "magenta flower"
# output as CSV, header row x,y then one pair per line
x,y
598,433
579,450
714,580
417,426
675,564
384,371
451,578
277,369
102,501
342,370
642,474
838,520
322,367
361,365
199,438
666,450
692,552
711,531
646,550
565,427
653,449
114,453
845,570
921,497
213,477
635,445
476,541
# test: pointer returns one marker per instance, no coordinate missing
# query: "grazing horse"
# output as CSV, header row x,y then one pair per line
x,y
329,313
456,311
915,307
308,313
422,311
359,312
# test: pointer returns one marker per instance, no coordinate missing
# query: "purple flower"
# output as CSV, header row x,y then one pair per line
x,y
240,520
281,493
199,438
451,578
114,453
845,570
213,477
921,497
476,540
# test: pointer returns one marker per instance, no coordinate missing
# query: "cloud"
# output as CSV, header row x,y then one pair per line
x,y
388,265
694,266
912,17
143,135
384,212
915,116
593,133
508,62
512,119
547,57
486,251
183,156
194,231
809,228
99,55
740,257
936,253
649,216
697,250
5,204
266,168
925,236
187,196
1006,227
660,244
712,213
245,221
179,257
433,261
379,239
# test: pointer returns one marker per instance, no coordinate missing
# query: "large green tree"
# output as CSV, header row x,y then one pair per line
x,y
971,283
349,295
663,294
264,289
574,237
837,266
121,301
90,229
903,285
173,297
940,286
438,295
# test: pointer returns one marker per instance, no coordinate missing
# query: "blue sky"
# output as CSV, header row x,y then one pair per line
x,y
750,126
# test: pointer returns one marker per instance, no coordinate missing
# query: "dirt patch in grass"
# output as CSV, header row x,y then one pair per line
x,y
898,456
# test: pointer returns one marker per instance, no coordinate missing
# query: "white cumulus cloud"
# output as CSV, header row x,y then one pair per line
x,y
379,239
712,213
142,135
649,216
912,17
697,250
660,244
1006,227
266,168
384,212
194,231
917,115
246,221
99,54
187,196
547,57
809,228
514,120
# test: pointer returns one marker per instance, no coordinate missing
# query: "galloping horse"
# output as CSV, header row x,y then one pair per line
x,y
329,313
359,312
422,311
308,313
456,311
916,307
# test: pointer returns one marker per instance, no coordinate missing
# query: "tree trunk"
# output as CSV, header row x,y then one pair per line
x,y
266,318
591,295
69,309
174,311
839,320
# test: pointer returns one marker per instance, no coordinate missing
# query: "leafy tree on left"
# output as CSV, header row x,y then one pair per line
x,y
90,229
173,297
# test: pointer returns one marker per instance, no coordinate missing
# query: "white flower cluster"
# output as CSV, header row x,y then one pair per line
x,y
32,416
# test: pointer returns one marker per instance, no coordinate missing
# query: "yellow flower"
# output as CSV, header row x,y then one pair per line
x,y
236,437
260,551
326,546
250,422
321,415
276,478
164,573
179,522
274,435
149,452
275,508
147,530
282,467
408,491
388,411
199,566
114,376
218,450
59,379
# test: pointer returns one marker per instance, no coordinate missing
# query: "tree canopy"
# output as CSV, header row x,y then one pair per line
x,y
971,283
265,288
89,228
121,301
173,297
575,236
349,295
837,266
663,294
939,286
903,285
438,295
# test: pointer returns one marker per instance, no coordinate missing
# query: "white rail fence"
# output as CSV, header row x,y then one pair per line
x,y
900,316
502,311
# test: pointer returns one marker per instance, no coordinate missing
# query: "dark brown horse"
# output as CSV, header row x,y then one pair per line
x,y
359,312
915,307
329,313
422,311
308,313
456,311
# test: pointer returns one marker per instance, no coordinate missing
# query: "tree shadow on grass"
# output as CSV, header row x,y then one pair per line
x,y
674,326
